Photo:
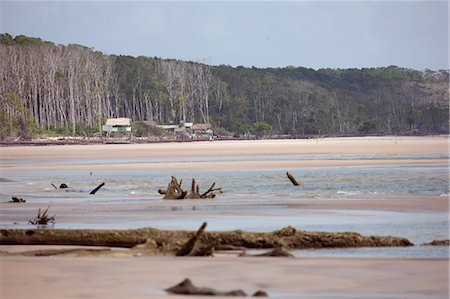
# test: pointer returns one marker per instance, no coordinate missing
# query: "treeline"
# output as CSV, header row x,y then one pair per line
x,y
73,89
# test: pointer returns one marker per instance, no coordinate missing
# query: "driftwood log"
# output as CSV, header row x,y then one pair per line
x,y
292,179
17,199
97,188
174,191
187,288
170,241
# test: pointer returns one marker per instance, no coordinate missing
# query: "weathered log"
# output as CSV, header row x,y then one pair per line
x,y
97,188
168,242
174,190
292,179
189,245
17,199
186,287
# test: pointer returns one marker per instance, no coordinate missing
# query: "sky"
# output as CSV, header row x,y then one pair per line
x,y
313,34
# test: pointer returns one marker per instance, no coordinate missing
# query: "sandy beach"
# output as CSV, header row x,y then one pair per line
x,y
416,168
147,277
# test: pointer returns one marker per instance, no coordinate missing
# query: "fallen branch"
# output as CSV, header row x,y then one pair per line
x,y
189,245
97,188
292,179
42,219
211,189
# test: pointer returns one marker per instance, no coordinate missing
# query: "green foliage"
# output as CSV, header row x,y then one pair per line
x,y
370,127
141,129
240,129
291,100
261,128
20,40
82,129
412,118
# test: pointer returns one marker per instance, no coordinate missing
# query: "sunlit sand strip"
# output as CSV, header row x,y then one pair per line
x,y
228,165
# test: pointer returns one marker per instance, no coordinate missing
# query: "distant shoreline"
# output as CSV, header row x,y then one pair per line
x,y
44,141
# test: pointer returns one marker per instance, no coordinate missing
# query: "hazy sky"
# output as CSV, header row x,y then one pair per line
x,y
336,34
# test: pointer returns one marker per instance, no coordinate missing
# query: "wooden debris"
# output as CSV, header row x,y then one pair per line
x,y
187,288
17,199
195,190
292,179
42,219
260,293
189,245
174,191
277,252
167,241
211,189
97,188
438,243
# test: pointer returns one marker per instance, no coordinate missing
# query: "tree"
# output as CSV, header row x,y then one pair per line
x,y
261,128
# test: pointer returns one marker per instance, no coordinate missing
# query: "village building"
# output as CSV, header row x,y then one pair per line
x,y
189,130
117,125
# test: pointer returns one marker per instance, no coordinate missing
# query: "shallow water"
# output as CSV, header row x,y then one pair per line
x,y
254,188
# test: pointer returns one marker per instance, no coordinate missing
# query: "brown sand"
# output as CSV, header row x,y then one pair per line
x,y
146,277
267,148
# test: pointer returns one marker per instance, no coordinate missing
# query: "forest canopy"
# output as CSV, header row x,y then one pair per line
x,y
71,89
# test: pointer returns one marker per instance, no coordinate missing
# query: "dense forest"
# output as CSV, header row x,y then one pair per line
x,y
47,88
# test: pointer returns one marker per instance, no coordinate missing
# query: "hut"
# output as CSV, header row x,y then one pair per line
x,y
117,125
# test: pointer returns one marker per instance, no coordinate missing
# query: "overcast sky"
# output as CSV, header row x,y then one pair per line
x,y
333,34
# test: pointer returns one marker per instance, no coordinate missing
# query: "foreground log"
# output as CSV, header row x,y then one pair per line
x,y
97,188
292,179
170,241
187,288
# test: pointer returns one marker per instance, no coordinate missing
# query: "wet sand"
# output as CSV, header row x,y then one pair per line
x,y
23,158
146,277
